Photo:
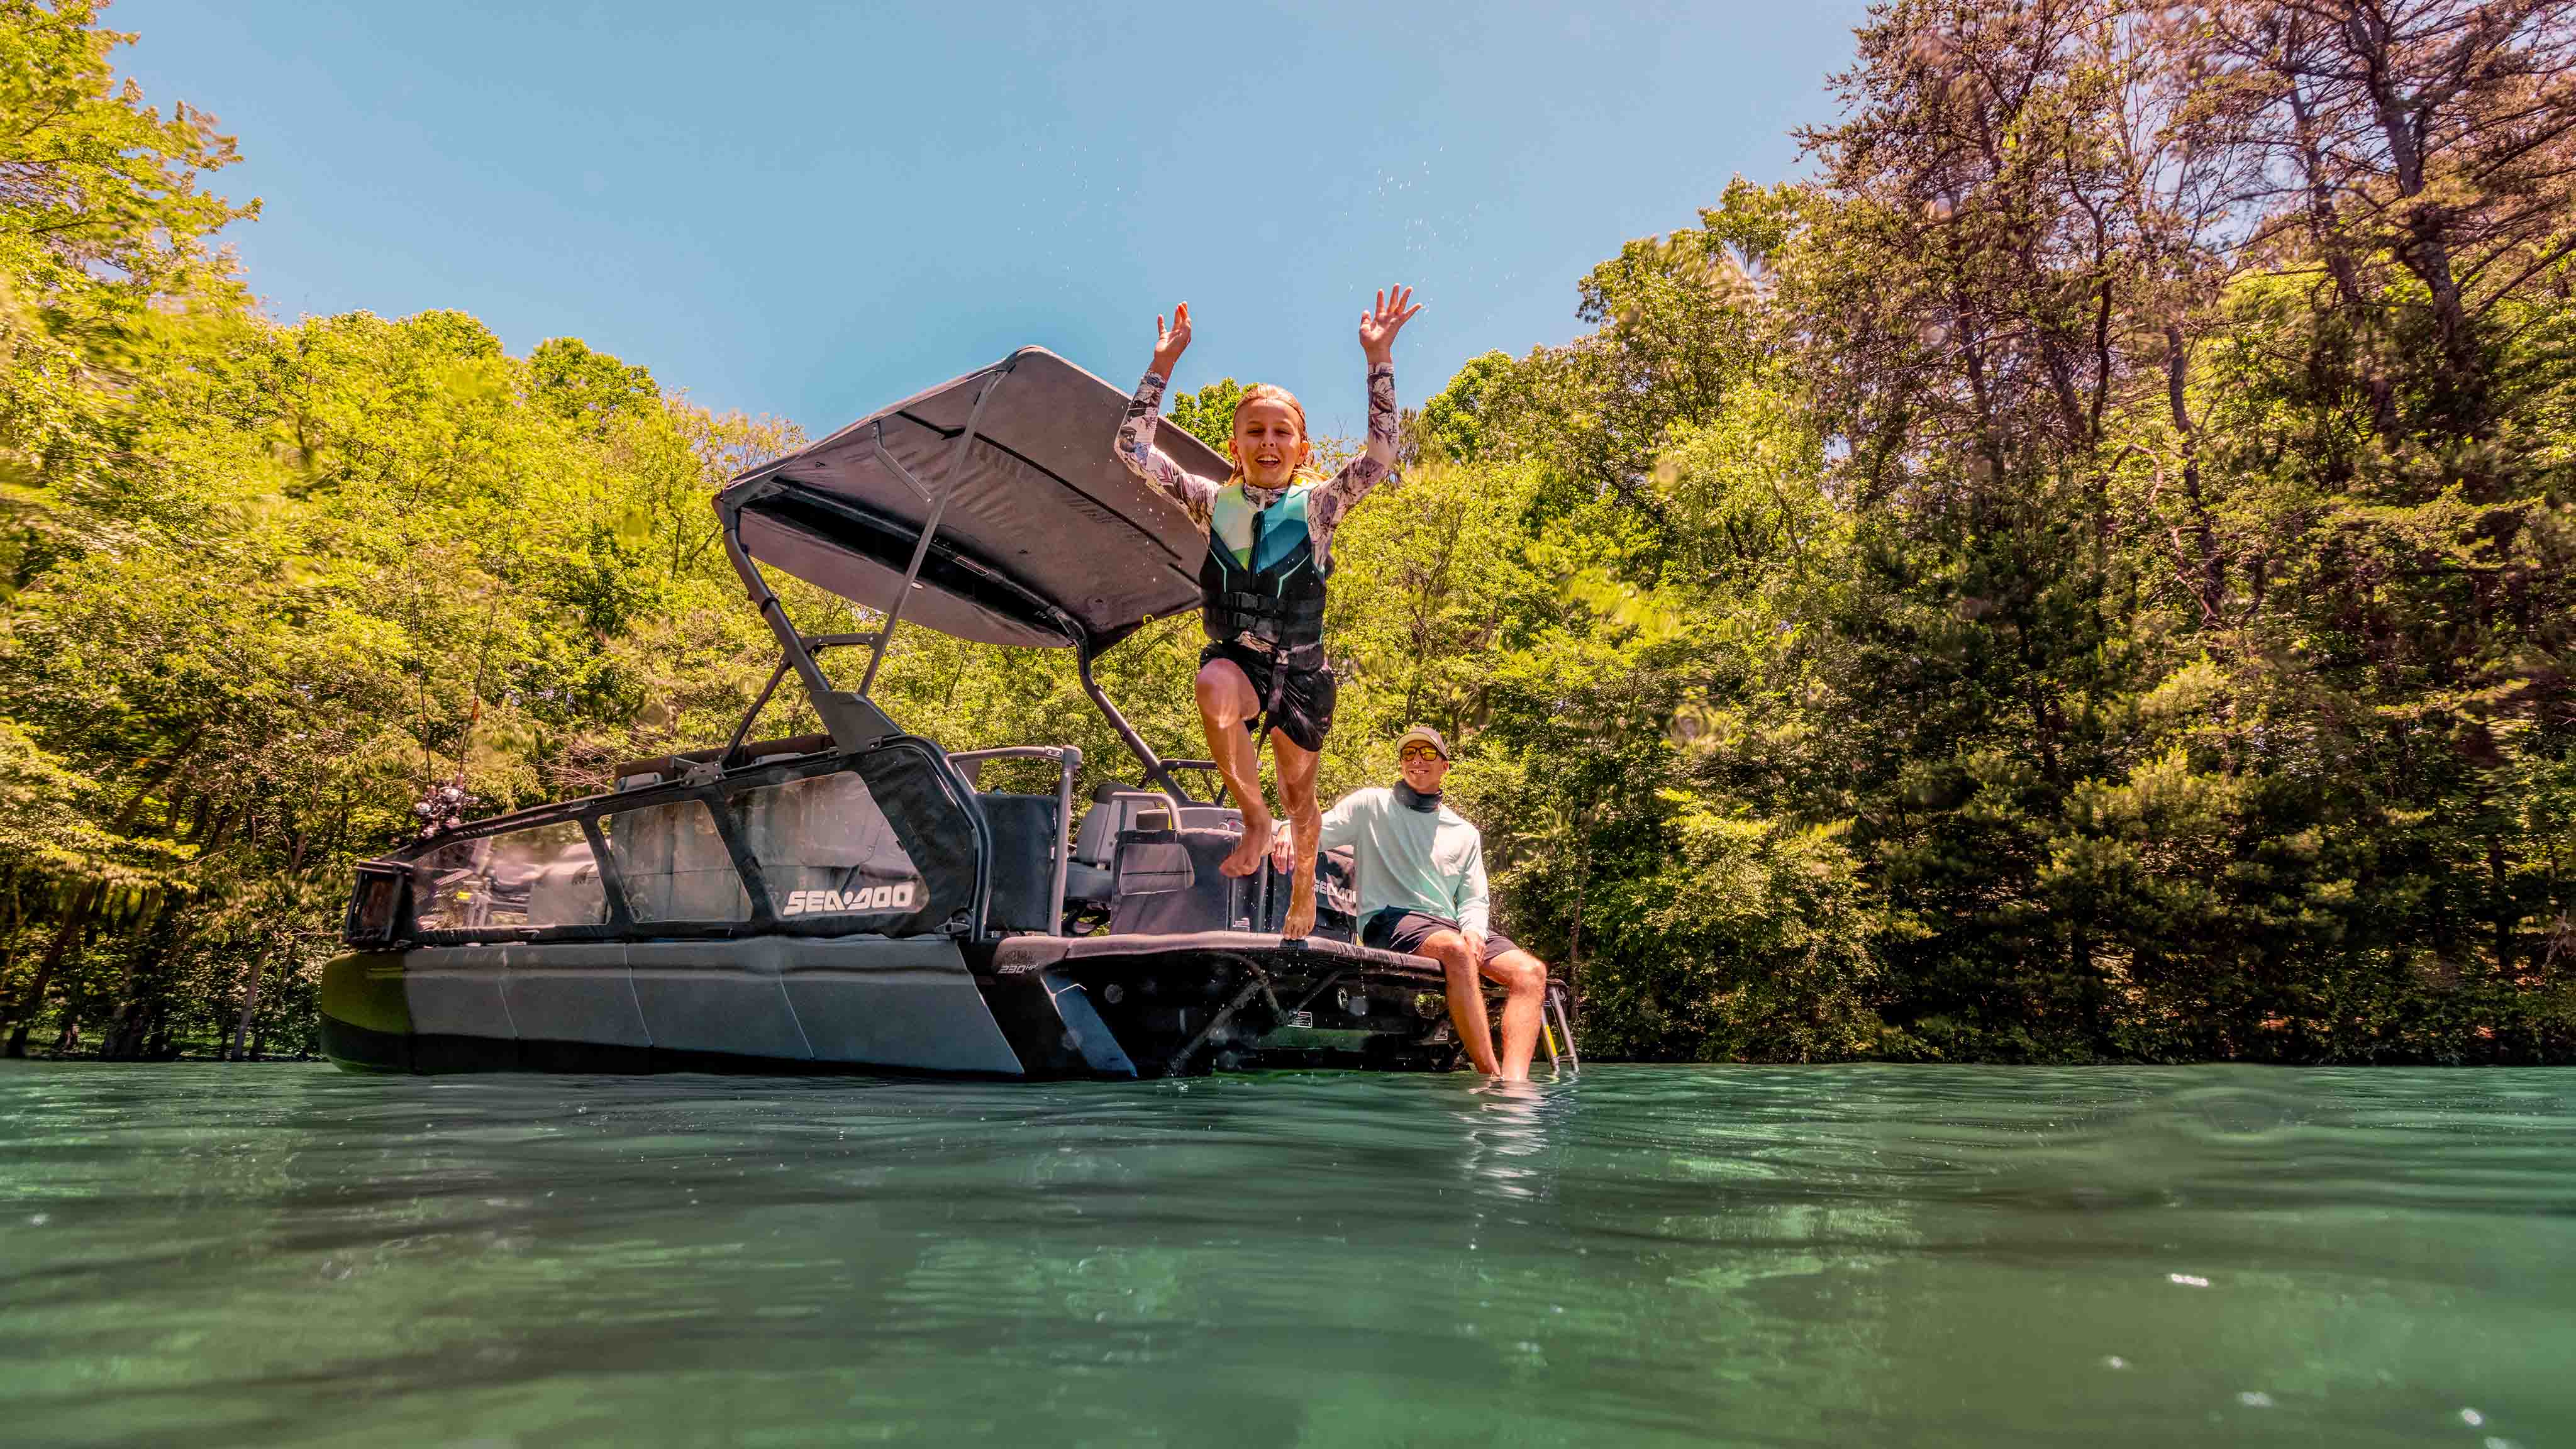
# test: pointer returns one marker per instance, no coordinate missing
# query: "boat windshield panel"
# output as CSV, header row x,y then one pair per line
x,y
673,864
827,851
887,842
536,878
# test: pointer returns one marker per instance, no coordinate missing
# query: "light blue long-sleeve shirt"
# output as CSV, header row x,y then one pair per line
x,y
1430,861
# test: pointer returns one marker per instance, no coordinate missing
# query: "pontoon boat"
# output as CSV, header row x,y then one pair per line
x,y
852,900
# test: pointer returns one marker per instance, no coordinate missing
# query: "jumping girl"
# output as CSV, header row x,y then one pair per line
x,y
1270,548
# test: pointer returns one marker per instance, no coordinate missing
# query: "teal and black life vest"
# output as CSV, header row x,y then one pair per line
x,y
1261,576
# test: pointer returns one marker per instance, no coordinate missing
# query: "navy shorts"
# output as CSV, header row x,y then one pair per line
x,y
1397,929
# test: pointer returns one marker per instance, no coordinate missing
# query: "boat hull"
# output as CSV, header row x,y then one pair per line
x,y
1021,1007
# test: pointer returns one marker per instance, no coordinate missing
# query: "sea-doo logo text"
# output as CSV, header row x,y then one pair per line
x,y
874,898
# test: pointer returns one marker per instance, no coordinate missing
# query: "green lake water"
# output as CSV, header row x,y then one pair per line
x,y
1650,1255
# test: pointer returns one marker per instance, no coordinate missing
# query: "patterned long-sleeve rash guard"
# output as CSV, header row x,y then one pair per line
x,y
1324,511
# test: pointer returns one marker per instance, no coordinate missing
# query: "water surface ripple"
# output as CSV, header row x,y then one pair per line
x,y
1651,1255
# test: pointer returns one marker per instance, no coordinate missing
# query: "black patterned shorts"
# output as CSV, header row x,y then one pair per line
x,y
1296,702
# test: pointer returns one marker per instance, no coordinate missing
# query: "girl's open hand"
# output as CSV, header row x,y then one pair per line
x,y
1170,342
1379,325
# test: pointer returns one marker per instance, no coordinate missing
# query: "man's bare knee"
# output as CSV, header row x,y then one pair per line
x,y
1446,947
1519,973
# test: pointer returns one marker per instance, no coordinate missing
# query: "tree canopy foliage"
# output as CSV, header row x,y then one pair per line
x,y
2086,576
2117,520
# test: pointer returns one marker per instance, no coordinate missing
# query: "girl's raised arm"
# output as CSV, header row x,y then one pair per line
x,y
1378,327
1135,443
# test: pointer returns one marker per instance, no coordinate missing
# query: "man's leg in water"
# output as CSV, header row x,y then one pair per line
x,y
1226,703
1466,999
1524,977
1297,766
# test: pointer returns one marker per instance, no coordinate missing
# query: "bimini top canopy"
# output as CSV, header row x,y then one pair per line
x,y
1036,532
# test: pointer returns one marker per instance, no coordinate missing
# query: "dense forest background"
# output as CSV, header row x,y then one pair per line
x,y
2088,575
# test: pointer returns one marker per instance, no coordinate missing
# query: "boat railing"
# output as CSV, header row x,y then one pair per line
x,y
1217,793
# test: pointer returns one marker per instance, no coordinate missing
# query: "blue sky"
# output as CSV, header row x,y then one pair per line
x,y
813,210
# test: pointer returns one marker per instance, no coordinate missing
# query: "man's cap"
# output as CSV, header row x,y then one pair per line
x,y
1427,735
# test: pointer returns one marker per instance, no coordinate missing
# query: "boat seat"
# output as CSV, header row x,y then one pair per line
x,y
1026,834
1171,883
1115,809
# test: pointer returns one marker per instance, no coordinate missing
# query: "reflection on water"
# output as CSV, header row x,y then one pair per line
x,y
1651,1255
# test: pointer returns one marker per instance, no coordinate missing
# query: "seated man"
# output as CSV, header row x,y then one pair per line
x,y
1421,870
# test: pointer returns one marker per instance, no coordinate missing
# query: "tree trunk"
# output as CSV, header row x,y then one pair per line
x,y
2325,224
142,997
123,1030
34,1000
250,1008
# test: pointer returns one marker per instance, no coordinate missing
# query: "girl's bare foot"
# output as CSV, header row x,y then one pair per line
x,y
1252,851
1301,909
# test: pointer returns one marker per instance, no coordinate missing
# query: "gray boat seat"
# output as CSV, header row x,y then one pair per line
x,y
1025,835
1114,809
1089,878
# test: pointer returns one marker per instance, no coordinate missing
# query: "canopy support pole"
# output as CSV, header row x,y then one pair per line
x,y
929,526
742,731
816,644
852,721
1144,753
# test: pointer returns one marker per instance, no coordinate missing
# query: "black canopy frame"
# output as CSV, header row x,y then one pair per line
x,y
851,511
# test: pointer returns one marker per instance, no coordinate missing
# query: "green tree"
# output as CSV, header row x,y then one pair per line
x,y
1208,414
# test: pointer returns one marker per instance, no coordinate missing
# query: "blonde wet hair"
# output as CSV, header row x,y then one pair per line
x,y
1270,392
